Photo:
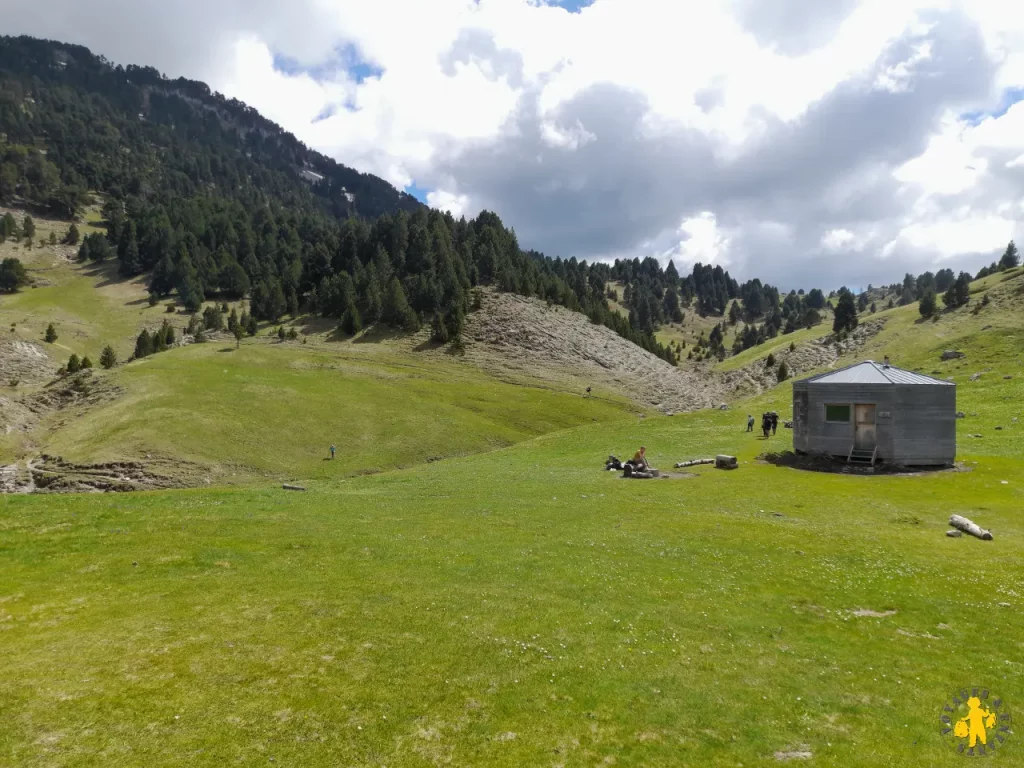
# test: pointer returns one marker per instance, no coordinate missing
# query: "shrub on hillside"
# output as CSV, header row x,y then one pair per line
x,y
108,357
12,275
51,334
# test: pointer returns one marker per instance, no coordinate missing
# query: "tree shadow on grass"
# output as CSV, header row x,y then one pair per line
x,y
378,333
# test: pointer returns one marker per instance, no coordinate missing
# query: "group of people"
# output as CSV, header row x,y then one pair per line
x,y
769,423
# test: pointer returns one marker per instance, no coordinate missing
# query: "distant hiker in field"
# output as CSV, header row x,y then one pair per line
x,y
588,392
640,459
332,452
775,421
750,422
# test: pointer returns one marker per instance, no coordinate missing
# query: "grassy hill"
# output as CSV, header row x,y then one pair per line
x,y
508,607
521,607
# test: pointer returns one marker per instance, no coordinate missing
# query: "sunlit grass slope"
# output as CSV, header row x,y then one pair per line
x,y
515,608
275,408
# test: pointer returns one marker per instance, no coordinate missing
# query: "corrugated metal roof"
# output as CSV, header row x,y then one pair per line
x,y
870,372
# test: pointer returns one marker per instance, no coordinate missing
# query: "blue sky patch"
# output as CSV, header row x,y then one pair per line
x,y
418,192
1008,98
346,59
572,6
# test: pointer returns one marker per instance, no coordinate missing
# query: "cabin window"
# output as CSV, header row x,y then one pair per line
x,y
837,413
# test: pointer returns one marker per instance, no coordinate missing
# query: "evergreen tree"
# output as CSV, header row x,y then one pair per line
x,y
233,320
928,305
128,251
74,364
8,227
238,331
783,372
51,334
846,313
28,228
12,275
943,279
72,236
251,326
86,363
351,323
53,237
438,329
108,357
396,311
280,333
143,345
1010,257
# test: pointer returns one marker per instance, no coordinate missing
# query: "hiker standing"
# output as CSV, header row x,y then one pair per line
x,y
332,451
750,422
766,425
775,422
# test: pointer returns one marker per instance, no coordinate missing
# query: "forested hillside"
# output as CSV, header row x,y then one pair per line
x,y
214,201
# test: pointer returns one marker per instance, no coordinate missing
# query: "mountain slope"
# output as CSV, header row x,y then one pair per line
x,y
89,111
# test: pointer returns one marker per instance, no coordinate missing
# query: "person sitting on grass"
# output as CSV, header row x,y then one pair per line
x,y
640,459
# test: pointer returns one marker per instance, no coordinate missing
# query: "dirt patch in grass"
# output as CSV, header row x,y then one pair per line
x,y
24,363
52,474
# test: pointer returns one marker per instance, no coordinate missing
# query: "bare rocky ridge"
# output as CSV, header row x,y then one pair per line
x,y
820,353
519,338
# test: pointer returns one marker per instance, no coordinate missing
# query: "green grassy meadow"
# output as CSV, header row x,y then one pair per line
x,y
518,607
464,585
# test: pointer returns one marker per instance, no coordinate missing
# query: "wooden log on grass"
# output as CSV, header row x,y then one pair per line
x,y
288,487
694,463
963,524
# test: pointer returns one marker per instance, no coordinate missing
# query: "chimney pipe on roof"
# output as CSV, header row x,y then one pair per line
x,y
886,361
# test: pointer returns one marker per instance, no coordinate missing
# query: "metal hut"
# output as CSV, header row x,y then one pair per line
x,y
874,412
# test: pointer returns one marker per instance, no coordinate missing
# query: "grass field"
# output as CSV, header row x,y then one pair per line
x,y
512,605
272,409
514,608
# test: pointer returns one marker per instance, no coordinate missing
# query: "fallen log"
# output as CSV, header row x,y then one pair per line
x,y
965,525
288,487
694,463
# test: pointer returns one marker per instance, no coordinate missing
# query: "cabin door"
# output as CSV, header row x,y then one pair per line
x,y
864,427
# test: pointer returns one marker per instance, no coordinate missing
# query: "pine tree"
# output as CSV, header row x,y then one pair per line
x,y
251,326
108,357
86,363
280,333
438,329
74,364
128,251
143,345
783,372
396,311
51,334
928,305
846,313
1010,258
72,236
28,228
53,237
351,323
238,332
8,227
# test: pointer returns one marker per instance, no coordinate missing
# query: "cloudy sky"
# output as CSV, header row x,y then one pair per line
x,y
807,142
